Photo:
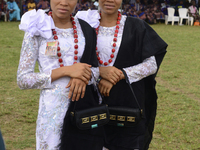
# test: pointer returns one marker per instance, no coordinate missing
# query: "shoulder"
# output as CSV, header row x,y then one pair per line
x,y
136,22
84,23
87,30
90,16
37,23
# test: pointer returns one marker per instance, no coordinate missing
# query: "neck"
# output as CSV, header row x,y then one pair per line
x,y
62,23
108,20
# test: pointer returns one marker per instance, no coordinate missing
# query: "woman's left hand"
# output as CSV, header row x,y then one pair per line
x,y
77,89
104,87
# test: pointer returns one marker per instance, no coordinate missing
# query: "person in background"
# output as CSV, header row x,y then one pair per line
x,y
24,7
31,5
139,9
157,10
43,4
14,11
179,5
3,8
36,1
151,19
193,11
164,8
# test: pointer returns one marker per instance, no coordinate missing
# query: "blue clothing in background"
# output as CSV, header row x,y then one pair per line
x,y
16,13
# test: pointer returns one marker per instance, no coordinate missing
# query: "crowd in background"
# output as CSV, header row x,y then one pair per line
x,y
148,10
11,8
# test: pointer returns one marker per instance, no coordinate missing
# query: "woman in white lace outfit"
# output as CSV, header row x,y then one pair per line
x,y
132,45
64,71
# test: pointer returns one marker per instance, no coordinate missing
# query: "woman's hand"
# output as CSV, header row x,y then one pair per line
x,y
105,87
77,89
110,73
81,71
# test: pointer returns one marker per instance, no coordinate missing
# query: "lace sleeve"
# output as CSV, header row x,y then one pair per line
x,y
26,77
95,71
142,70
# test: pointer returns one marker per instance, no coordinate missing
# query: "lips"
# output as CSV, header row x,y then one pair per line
x,y
63,10
109,6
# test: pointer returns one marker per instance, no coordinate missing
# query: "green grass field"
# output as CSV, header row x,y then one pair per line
x,y
178,83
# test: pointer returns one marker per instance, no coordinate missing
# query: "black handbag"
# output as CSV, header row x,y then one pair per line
x,y
124,116
92,117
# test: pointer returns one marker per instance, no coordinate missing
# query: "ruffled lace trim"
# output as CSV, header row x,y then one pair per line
x,y
90,16
37,23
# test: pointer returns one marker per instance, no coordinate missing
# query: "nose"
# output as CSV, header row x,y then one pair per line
x,y
64,2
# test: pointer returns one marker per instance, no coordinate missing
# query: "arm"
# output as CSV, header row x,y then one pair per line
x,y
79,70
38,5
134,73
26,77
142,70
8,6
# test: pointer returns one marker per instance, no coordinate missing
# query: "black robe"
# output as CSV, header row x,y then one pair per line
x,y
72,138
139,41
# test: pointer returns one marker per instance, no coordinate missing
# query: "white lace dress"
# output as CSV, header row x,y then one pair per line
x,y
54,101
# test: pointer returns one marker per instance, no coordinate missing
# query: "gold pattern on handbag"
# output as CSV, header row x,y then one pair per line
x,y
121,118
94,118
130,119
112,117
85,120
102,116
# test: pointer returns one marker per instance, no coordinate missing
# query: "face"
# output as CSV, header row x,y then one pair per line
x,y
109,6
63,8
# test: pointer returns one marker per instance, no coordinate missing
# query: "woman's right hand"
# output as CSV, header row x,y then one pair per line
x,y
110,73
77,89
81,71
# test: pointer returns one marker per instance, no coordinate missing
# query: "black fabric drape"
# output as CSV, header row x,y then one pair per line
x,y
139,42
72,138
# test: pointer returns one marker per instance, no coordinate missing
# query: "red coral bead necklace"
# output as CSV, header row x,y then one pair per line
x,y
75,41
114,42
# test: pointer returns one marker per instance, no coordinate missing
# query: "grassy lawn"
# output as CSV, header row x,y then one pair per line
x,y
178,83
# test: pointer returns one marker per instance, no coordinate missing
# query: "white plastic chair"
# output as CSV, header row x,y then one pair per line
x,y
170,16
183,14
